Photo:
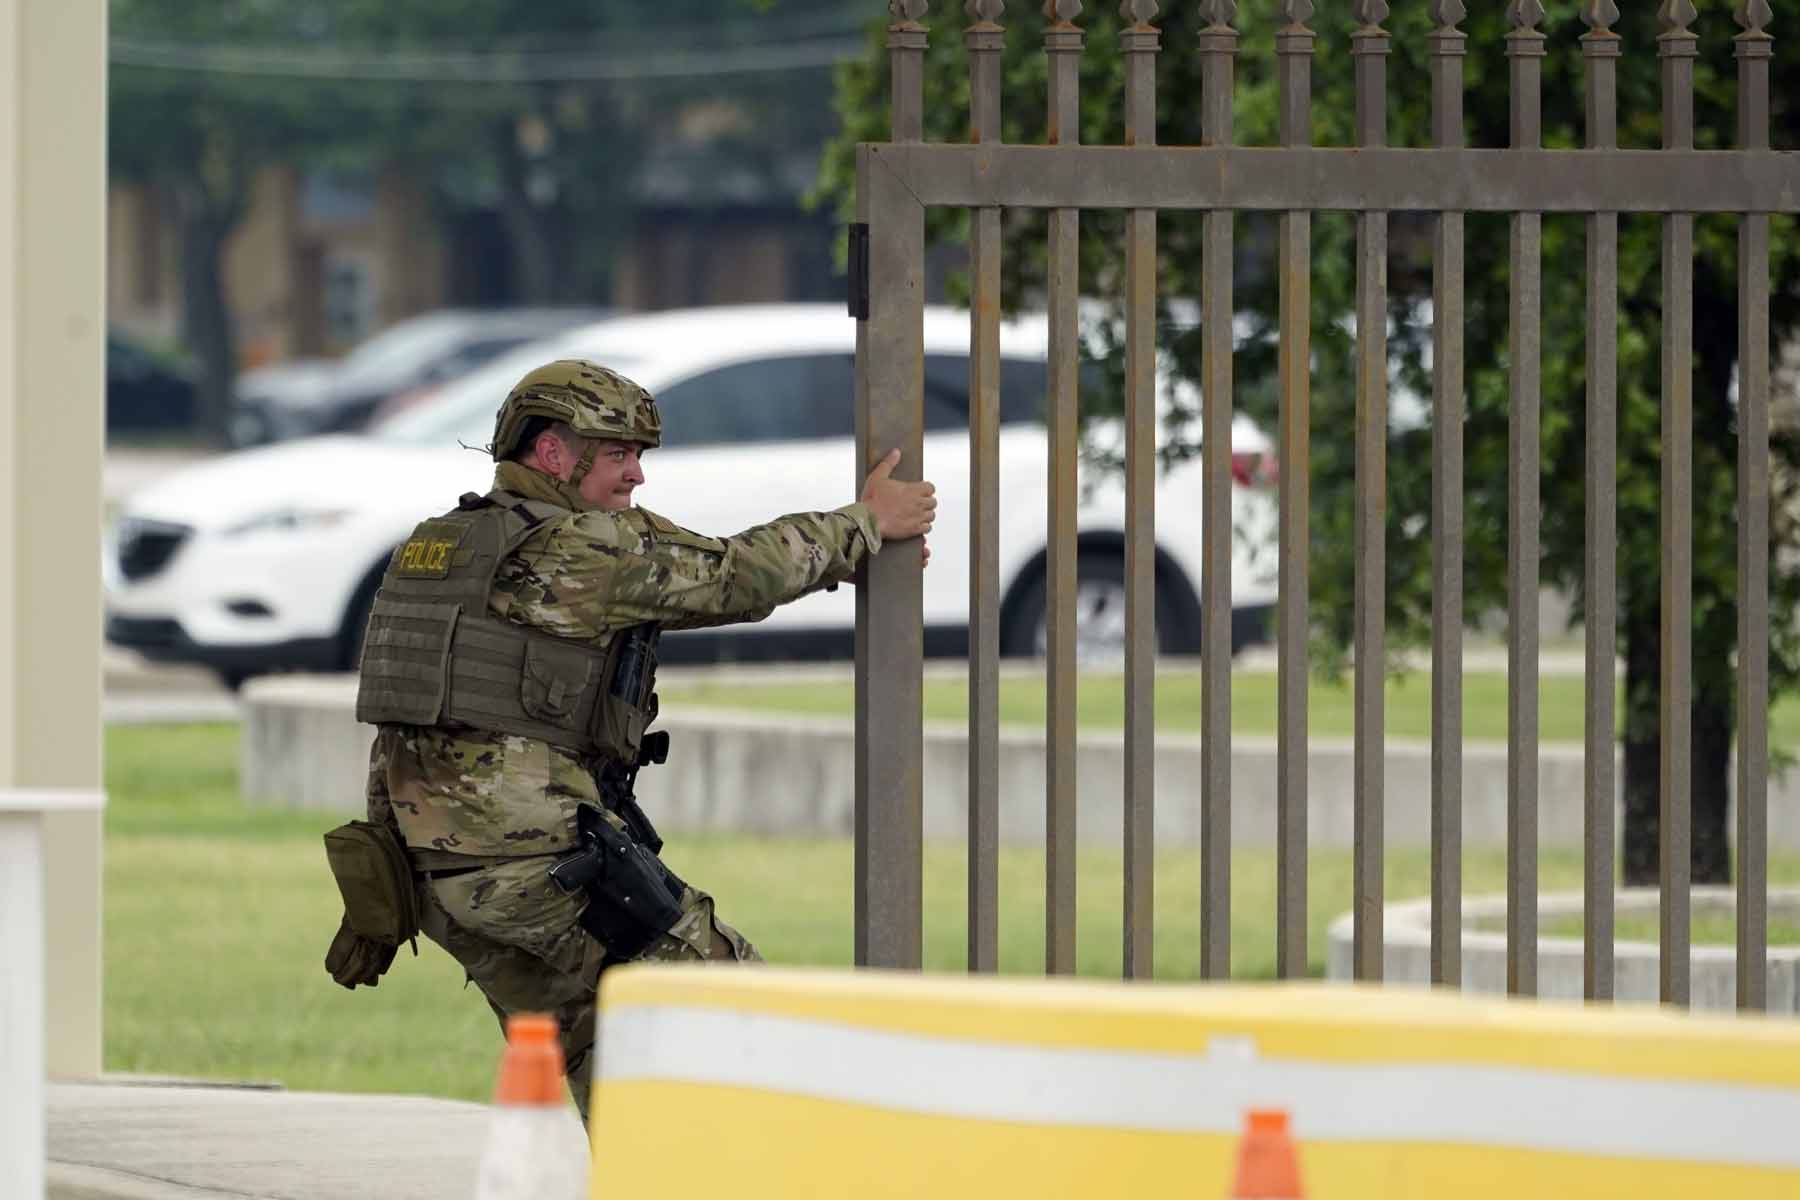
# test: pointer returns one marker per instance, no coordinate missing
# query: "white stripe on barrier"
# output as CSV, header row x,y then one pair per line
x,y
1524,1108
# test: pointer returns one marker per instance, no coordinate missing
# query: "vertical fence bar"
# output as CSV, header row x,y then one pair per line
x,y
1754,48
890,356
1294,52
1140,42
1062,43
985,40
1600,50
1218,46
1448,45
1369,44
1677,46
1524,52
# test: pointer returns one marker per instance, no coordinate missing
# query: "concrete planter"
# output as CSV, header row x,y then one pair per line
x,y
1406,954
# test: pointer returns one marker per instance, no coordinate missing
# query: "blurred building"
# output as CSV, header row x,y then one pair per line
x,y
316,264
322,260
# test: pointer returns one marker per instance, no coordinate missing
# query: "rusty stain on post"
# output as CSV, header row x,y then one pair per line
x,y
1754,49
985,40
1600,48
1218,46
889,819
1369,43
1063,44
1447,46
1524,52
1140,43
1294,53
1677,46
1370,180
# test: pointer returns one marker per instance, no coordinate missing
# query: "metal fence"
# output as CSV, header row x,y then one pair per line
x,y
897,181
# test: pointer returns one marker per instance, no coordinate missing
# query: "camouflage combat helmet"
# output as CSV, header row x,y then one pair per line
x,y
592,400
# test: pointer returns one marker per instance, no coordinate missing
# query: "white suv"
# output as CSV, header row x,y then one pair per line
x,y
268,559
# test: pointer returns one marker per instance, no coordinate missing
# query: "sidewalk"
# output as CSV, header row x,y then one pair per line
x,y
145,1140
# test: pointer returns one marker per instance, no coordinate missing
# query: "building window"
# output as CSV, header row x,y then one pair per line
x,y
349,299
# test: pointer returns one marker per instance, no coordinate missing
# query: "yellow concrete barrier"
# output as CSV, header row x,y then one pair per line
x,y
781,1083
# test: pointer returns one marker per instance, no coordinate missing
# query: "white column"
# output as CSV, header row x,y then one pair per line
x,y
52,355
22,817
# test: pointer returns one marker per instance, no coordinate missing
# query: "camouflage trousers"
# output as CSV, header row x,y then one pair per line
x,y
516,935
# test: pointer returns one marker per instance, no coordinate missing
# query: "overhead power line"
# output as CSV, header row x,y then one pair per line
x,y
486,67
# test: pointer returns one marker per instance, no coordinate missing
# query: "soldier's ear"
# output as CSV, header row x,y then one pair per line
x,y
550,453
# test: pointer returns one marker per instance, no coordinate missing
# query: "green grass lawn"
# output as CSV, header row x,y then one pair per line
x,y
217,918
1100,703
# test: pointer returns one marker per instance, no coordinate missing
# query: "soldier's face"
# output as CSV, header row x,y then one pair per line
x,y
616,472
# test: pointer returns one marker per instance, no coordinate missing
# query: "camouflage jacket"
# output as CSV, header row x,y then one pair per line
x,y
586,576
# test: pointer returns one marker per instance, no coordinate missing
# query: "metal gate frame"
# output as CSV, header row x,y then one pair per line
x,y
898,180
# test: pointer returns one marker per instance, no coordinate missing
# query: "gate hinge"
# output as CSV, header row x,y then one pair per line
x,y
859,271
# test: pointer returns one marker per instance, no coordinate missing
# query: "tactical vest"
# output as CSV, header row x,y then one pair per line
x,y
434,656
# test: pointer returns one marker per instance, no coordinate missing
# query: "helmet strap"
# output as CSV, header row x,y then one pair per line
x,y
586,464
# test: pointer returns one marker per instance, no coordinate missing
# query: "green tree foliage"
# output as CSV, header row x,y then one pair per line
x,y
518,108
201,140
862,101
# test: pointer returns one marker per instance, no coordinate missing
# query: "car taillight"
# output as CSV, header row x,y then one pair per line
x,y
1253,469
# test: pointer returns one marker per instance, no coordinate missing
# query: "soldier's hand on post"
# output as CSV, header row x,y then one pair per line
x,y
902,509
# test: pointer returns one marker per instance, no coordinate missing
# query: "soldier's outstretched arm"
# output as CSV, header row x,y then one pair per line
x,y
686,580
606,569
794,555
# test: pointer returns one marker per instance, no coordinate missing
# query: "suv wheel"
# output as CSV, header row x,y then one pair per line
x,y
1099,615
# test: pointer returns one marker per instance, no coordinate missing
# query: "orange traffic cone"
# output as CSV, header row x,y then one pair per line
x,y
1268,1167
528,1154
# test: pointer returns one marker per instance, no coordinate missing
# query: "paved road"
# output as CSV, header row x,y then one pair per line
x,y
139,692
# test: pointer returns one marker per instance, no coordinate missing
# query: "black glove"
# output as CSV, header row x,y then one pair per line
x,y
355,959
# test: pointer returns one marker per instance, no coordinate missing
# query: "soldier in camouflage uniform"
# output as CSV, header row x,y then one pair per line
x,y
485,814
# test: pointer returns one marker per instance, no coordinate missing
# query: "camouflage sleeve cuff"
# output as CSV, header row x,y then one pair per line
x,y
864,517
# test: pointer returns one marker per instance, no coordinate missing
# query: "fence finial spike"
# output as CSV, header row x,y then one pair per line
x,y
1676,15
1753,15
1524,14
1062,12
1294,12
985,12
1138,12
1600,15
1445,14
1218,12
1369,12
908,12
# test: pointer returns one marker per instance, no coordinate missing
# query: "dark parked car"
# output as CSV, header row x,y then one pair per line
x,y
420,352
146,392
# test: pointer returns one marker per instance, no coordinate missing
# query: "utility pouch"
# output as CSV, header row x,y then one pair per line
x,y
551,687
633,899
380,907
627,704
